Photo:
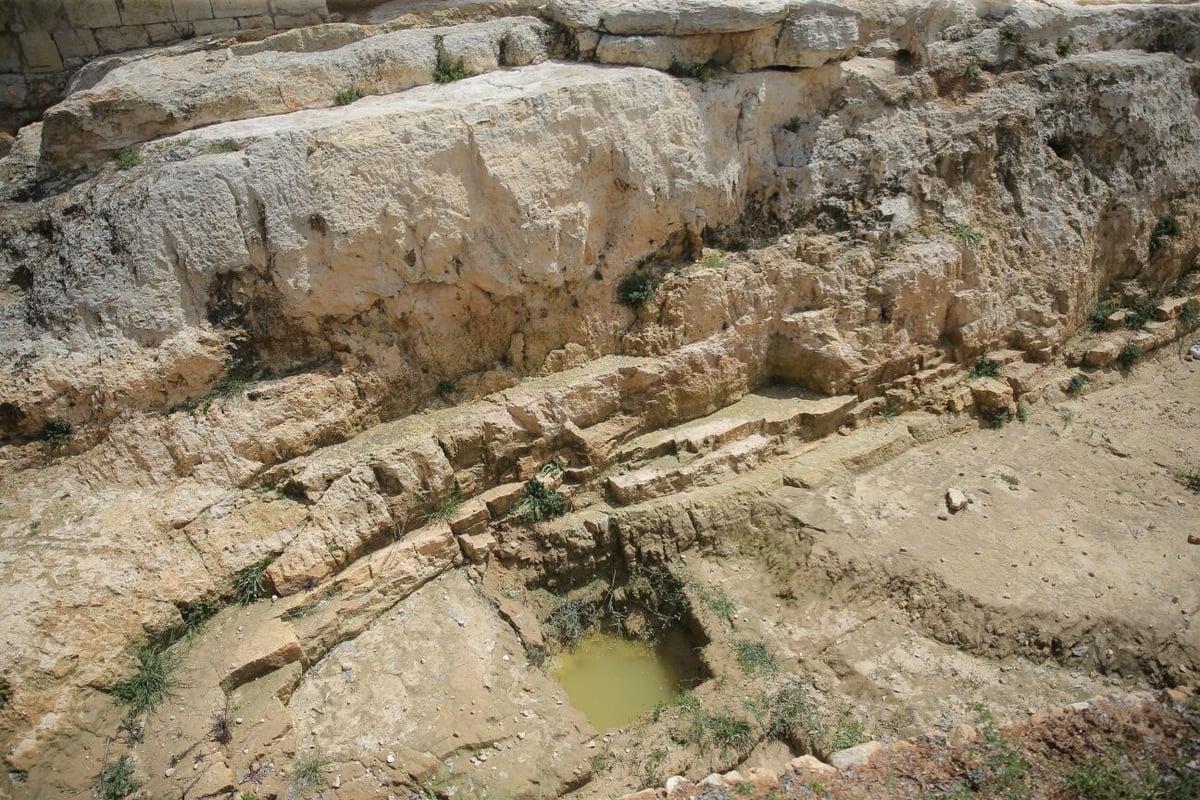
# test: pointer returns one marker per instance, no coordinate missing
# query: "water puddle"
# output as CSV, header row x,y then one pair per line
x,y
612,680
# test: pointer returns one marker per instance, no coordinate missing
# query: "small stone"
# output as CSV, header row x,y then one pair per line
x,y
237,720
956,500
391,758
347,666
168,772
942,515
855,756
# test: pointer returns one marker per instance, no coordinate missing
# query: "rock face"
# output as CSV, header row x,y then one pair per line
x,y
848,200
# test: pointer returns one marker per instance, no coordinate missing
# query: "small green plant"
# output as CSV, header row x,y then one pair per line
x,y
1065,46
730,734
713,261
887,414
223,146
348,96
1100,314
790,714
116,780
635,290
1129,356
1077,384
967,236
571,620
702,71
445,387
755,659
1010,36
794,125
196,614
985,367
1011,480
1141,313
1022,411
248,581
308,770
449,72
1191,479
1005,771
1067,416
538,502
849,733
151,682
450,505
128,158
1166,227
56,432
974,71
229,386
1000,417
719,603
1190,312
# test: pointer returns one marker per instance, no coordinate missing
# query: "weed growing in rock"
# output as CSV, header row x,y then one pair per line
x,y
451,503
447,72
1022,411
127,158
887,414
1115,778
196,614
539,502
967,236
1067,416
1000,418
694,725
755,659
974,71
985,367
445,387
660,591
1076,385
1065,46
794,125
635,290
248,581
348,96
1011,480
222,146
1166,227
1010,36
56,432
307,770
219,730
701,71
1100,314
729,734
116,780
151,682
1190,313
1129,356
1141,313
848,734
713,262
1005,772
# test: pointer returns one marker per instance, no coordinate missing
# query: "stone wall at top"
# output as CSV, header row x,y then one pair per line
x,y
43,41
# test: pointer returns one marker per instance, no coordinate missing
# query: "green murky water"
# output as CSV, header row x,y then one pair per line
x,y
612,679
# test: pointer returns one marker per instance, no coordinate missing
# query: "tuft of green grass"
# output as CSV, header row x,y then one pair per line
x,y
635,290
56,432
116,780
713,261
1011,480
715,600
1067,416
702,71
794,125
1118,777
1000,418
308,770
222,146
1005,771
348,96
1022,411
850,732
1129,356
1077,384
1141,313
445,387
451,503
1100,314
196,614
790,714
974,71
447,72
887,414
1010,36
1191,479
248,581
755,659
967,236
1166,227
539,502
153,679
985,367
1190,312
730,734
229,386
1065,46
127,158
